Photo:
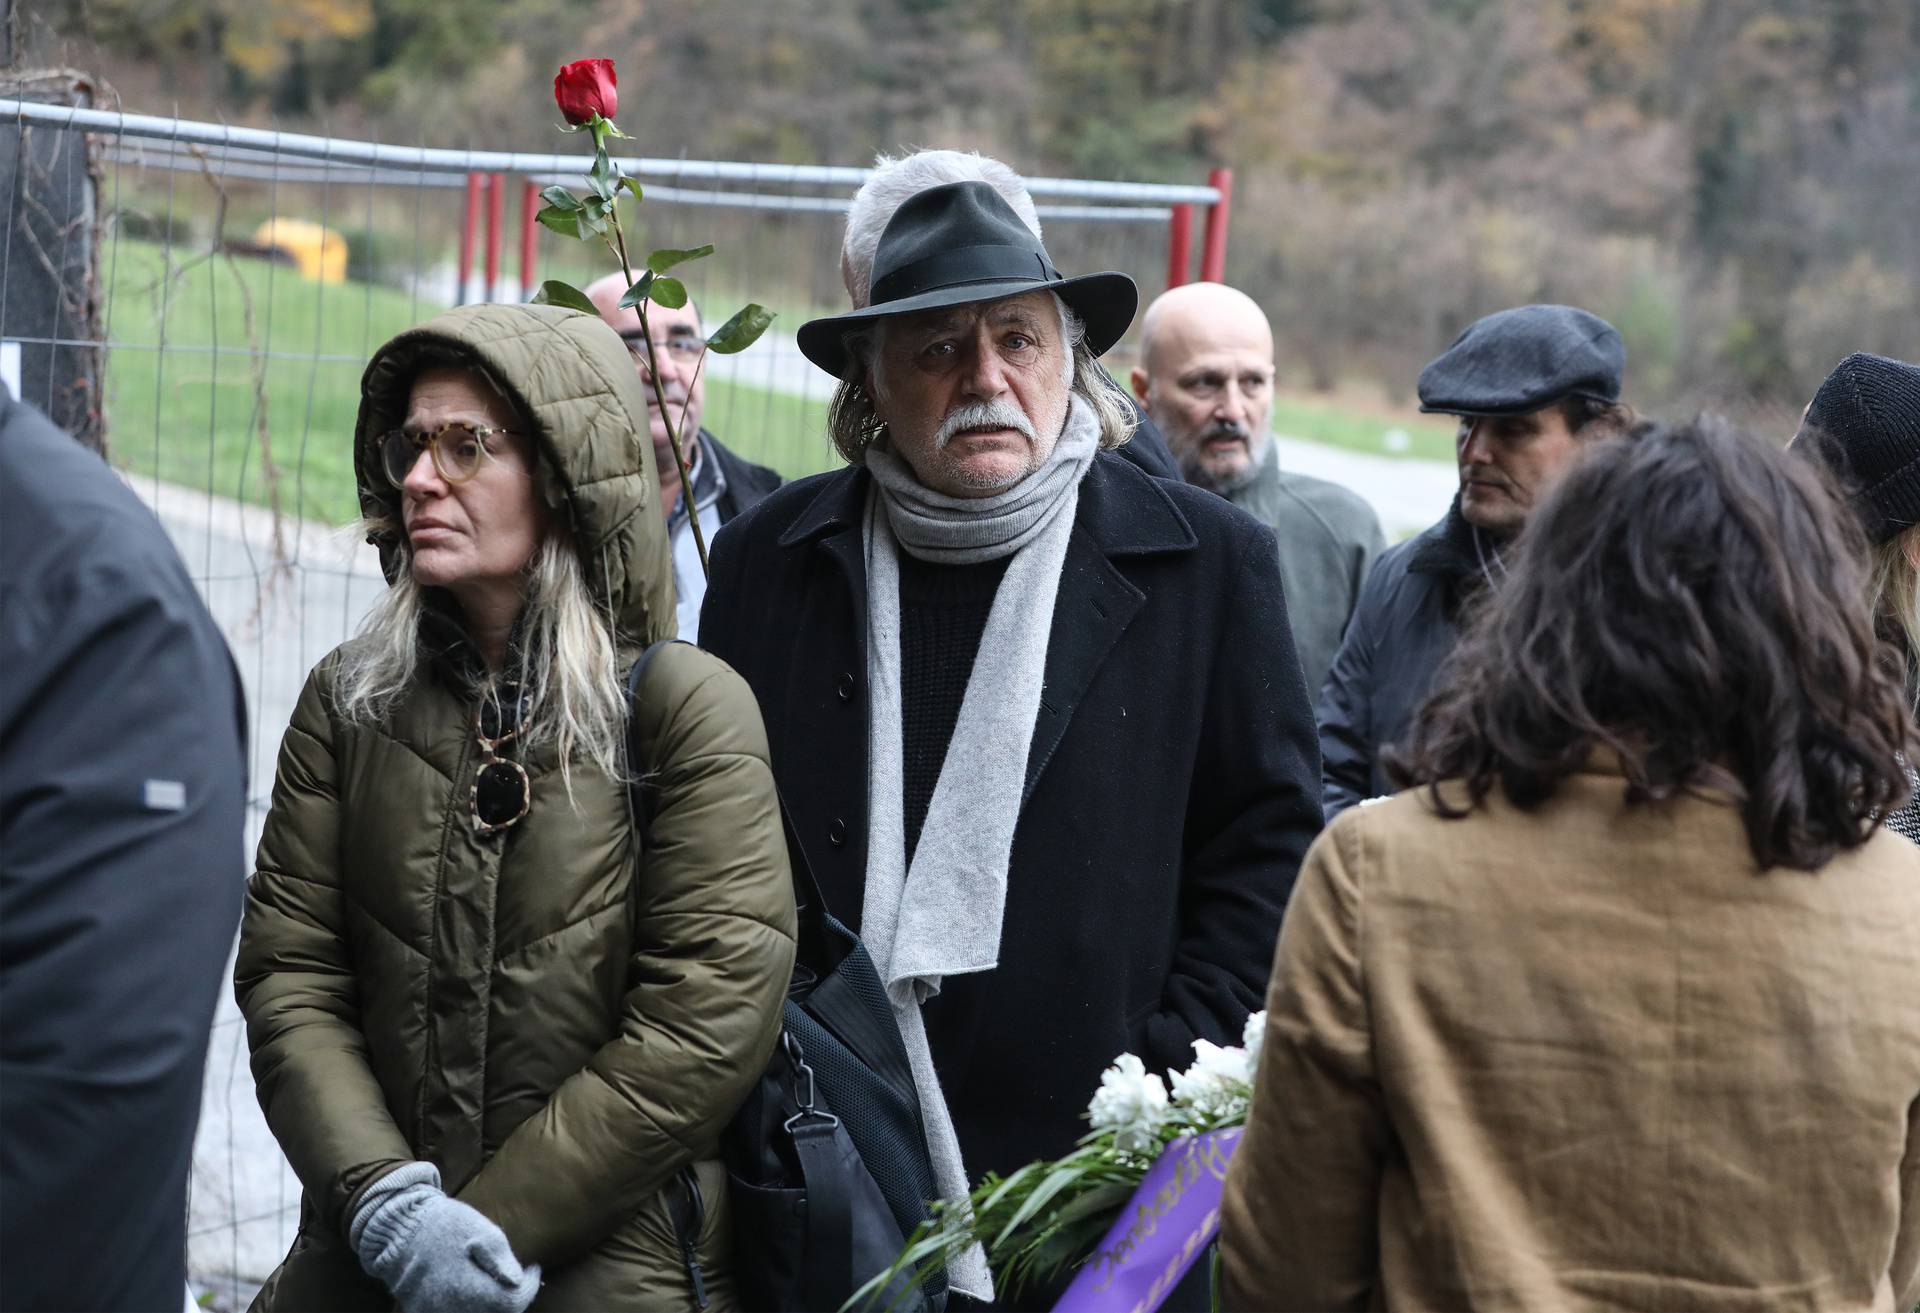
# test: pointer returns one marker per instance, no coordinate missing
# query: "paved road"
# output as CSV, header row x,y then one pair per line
x,y
1408,495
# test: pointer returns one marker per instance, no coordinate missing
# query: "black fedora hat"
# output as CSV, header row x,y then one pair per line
x,y
958,244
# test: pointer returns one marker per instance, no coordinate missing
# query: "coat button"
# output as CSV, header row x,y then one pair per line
x,y
837,833
845,688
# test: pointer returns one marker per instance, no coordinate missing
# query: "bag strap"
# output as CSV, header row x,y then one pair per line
x,y
806,893
825,1184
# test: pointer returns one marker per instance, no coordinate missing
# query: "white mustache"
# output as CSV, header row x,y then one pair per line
x,y
983,415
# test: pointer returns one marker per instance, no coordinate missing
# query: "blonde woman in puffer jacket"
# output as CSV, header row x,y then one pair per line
x,y
496,1036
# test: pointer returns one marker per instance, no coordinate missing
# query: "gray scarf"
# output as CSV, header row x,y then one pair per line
x,y
941,916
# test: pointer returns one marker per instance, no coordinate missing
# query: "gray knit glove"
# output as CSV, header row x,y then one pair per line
x,y
436,1254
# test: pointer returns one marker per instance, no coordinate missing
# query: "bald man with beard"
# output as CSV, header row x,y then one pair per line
x,y
1206,378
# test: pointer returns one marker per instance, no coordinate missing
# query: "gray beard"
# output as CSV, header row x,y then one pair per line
x,y
1195,471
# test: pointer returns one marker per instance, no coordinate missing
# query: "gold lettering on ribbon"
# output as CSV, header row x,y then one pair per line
x,y
1147,1220
1218,1156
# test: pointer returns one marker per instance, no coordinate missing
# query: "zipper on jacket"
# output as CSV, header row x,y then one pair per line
x,y
686,1226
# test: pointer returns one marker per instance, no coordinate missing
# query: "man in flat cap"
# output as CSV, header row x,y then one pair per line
x,y
1007,684
1530,386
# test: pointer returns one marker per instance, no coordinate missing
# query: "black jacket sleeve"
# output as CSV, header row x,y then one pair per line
x,y
1345,712
121,872
1252,811
721,603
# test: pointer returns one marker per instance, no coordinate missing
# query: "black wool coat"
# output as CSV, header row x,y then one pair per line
x,y
1404,627
1171,784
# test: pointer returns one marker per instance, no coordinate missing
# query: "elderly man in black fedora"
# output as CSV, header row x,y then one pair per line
x,y
1530,386
1036,714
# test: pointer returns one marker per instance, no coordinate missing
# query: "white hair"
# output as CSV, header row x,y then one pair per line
x,y
895,180
572,674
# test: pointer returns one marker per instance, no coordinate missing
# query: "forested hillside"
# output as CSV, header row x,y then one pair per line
x,y
1734,182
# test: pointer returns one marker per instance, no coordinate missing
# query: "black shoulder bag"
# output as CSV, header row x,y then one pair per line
x,y
827,1158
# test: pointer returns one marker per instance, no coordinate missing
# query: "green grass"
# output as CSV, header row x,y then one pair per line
x,y
1361,428
181,393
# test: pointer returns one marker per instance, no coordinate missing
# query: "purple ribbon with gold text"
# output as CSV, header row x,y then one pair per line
x,y
1165,1226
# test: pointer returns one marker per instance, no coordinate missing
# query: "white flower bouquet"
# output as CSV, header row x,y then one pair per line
x,y
1130,1207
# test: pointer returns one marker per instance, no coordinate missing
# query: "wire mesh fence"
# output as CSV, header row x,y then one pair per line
x,y
200,299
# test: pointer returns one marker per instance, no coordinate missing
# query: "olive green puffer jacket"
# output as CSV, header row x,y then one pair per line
x,y
556,1020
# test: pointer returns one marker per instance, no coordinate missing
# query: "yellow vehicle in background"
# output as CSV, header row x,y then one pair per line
x,y
318,252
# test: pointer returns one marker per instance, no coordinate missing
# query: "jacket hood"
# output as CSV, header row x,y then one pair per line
x,y
571,377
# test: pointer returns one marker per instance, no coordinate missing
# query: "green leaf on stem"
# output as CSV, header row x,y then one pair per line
x,y
633,185
602,176
665,258
555,292
1067,1173
669,292
560,198
741,331
1098,1204
638,292
564,222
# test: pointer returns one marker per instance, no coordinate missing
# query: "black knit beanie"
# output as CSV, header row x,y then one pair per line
x,y
1865,423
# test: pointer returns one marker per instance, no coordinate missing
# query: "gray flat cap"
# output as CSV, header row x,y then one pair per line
x,y
1525,359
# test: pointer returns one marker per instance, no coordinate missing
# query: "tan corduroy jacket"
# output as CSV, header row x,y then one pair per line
x,y
1586,1057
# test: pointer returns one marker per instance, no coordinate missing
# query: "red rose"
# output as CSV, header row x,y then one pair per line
x,y
585,88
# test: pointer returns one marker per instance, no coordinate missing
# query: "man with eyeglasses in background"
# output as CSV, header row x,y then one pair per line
x,y
724,484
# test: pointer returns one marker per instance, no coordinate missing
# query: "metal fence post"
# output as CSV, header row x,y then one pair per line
x,y
496,214
529,234
50,299
476,189
1180,244
1213,255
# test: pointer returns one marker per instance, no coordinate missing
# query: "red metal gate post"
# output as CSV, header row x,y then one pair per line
x,y
1213,255
529,230
1180,244
496,211
476,191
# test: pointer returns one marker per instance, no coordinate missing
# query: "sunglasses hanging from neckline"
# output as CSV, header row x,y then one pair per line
x,y
501,793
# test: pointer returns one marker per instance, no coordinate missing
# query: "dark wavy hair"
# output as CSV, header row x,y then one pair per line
x,y
1688,598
